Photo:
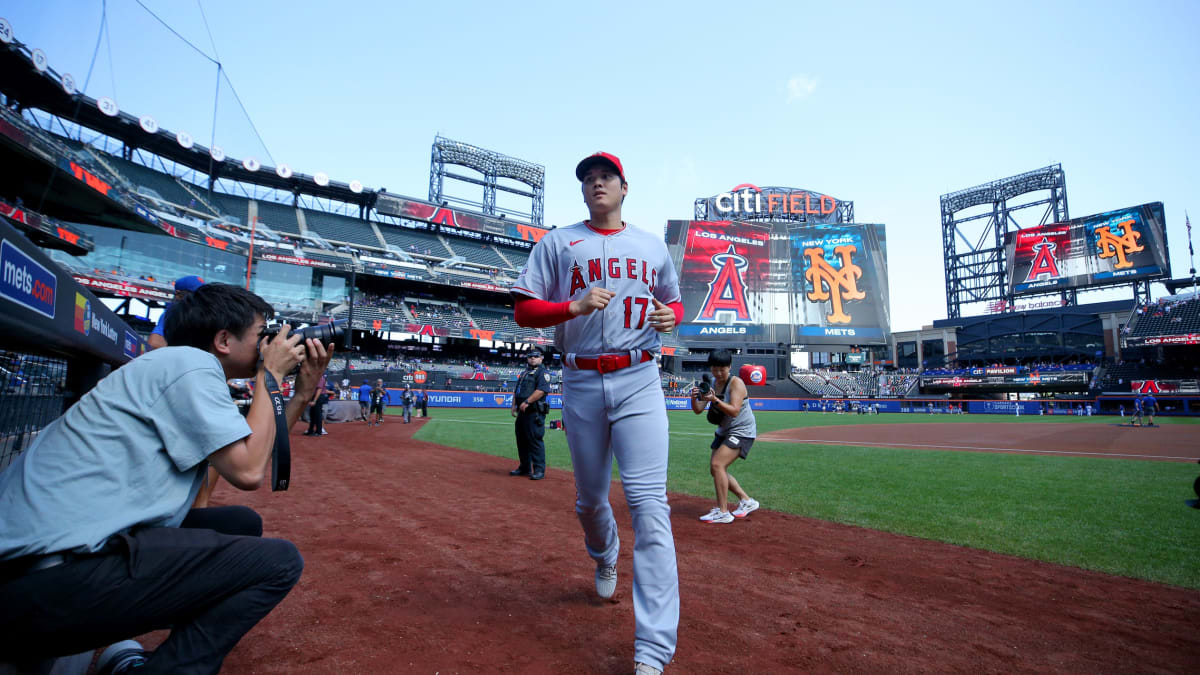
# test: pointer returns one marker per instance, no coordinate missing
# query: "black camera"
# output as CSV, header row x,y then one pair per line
x,y
705,384
327,333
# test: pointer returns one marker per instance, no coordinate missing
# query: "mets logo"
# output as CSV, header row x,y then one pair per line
x,y
831,283
727,290
1118,245
1044,262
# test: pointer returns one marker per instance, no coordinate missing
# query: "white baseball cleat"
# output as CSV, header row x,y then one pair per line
x,y
640,668
744,508
606,580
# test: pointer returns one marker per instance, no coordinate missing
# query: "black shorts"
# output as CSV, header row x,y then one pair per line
x,y
739,443
362,405
376,408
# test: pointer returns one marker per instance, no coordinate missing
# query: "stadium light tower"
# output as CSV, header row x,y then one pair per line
x,y
493,166
980,272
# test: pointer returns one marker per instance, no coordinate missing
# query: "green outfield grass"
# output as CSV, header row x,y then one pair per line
x,y
1117,516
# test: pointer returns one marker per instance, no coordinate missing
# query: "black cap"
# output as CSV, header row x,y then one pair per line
x,y
535,350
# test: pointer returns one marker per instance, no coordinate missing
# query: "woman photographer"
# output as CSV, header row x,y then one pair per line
x,y
728,405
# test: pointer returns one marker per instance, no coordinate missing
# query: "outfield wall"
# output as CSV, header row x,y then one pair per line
x,y
1168,405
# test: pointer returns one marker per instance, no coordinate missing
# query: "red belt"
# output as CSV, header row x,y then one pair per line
x,y
607,363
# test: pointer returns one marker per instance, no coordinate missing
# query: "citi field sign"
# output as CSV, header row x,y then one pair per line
x,y
750,201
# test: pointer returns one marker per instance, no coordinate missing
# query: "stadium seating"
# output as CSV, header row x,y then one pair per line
x,y
414,242
816,385
501,320
477,252
336,227
279,217
232,205
1167,316
163,184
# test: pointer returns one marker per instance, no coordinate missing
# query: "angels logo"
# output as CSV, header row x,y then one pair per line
x,y
1146,387
727,290
1044,263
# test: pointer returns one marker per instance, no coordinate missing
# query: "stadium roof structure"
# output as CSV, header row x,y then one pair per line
x,y
30,87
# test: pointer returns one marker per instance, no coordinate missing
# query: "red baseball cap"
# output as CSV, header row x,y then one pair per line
x,y
600,158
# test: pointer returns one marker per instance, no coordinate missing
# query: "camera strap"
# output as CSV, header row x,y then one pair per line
x,y
281,457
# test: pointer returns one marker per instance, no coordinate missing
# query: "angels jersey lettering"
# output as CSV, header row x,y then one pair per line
x,y
632,263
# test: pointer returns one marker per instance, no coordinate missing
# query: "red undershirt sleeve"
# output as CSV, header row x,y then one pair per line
x,y
677,307
534,313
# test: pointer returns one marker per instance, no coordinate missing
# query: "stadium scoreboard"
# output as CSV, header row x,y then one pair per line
x,y
811,283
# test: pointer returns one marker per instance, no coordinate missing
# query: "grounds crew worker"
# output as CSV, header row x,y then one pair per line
x,y
530,407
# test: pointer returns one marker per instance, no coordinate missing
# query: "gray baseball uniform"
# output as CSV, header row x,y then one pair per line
x,y
620,412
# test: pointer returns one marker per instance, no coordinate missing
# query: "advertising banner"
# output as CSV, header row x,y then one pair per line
x,y
126,289
403,207
1108,248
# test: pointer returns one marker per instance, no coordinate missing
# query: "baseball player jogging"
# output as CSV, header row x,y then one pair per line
x,y
608,288
728,405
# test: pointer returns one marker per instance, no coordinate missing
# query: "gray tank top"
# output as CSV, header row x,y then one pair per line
x,y
743,423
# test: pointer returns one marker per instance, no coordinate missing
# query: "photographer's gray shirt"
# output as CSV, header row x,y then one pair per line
x,y
743,424
128,454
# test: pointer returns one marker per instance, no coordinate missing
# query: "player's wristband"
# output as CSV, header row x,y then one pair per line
x,y
281,455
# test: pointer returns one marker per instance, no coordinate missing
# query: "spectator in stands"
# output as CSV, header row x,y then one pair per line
x,y
87,556
183,286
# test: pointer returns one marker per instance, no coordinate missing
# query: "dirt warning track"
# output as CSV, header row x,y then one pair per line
x,y
1166,443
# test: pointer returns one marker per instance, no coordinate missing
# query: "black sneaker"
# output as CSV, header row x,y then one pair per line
x,y
518,472
119,658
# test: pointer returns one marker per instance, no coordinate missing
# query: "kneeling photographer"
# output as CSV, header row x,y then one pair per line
x,y
728,404
97,540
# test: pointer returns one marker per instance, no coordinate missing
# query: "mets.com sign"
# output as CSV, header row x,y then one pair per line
x,y
748,201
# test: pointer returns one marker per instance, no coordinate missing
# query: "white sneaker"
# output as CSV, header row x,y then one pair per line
x,y
709,516
606,580
721,518
640,668
745,507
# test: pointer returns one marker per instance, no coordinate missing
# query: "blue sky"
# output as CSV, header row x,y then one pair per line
x,y
886,104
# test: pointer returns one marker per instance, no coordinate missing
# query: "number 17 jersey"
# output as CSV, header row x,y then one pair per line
x,y
632,263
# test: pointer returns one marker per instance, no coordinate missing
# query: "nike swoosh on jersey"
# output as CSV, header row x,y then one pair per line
x,y
575,242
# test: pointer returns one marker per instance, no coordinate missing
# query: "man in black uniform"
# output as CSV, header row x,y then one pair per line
x,y
530,407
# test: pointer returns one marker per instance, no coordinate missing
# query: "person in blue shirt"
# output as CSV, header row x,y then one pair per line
x,y
1149,407
364,400
98,540
183,286
1138,409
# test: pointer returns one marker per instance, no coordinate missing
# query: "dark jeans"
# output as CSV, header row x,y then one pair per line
x,y
531,428
210,581
316,417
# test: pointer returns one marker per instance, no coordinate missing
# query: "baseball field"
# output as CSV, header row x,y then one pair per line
x,y
889,543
